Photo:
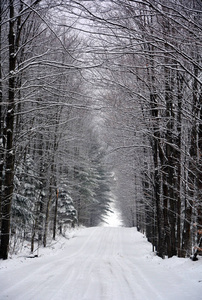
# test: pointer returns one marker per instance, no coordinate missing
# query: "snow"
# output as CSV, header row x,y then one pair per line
x,y
100,263
1,142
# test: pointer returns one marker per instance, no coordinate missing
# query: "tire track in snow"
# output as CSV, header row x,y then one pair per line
x,y
30,286
99,264
135,279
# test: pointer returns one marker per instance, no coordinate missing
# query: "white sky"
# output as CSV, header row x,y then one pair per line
x,y
113,219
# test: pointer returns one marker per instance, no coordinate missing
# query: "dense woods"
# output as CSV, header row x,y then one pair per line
x,y
101,99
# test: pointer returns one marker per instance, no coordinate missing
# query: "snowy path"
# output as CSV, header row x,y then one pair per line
x,y
101,263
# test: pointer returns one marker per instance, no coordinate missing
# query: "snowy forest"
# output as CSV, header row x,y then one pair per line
x,y
100,101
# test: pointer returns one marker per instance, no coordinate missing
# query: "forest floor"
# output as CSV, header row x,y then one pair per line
x,y
108,263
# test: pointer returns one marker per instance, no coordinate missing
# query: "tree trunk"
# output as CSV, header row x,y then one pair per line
x,y
10,155
2,142
179,159
157,185
199,177
47,217
192,172
55,215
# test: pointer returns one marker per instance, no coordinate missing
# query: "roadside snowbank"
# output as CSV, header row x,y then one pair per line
x,y
102,263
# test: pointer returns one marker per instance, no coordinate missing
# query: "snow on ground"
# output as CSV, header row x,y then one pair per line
x,y
102,263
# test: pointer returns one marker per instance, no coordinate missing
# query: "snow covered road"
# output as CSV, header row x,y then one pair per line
x,y
101,263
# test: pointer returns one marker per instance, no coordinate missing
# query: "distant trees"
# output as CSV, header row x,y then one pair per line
x,y
169,79
43,108
138,69
152,55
